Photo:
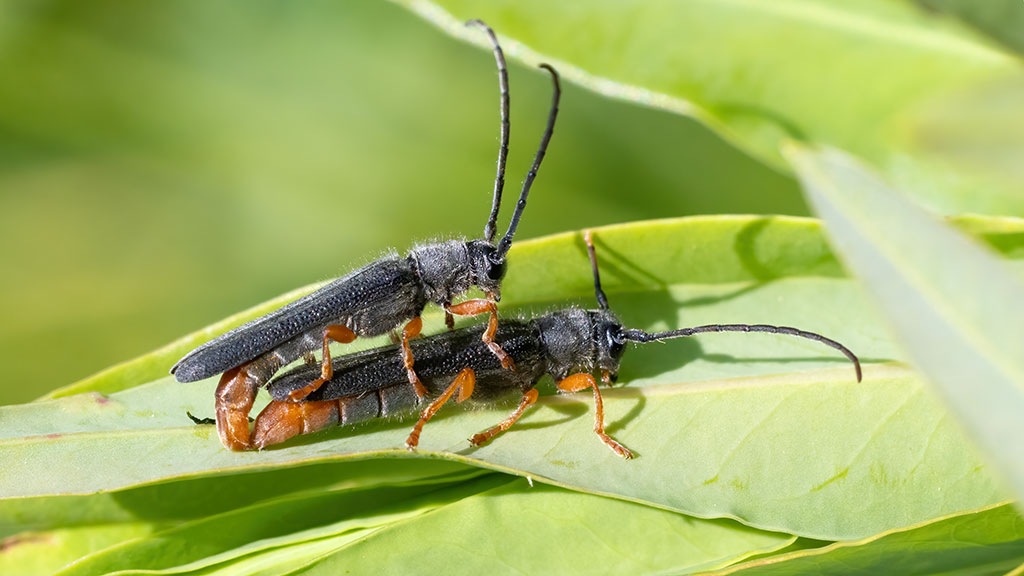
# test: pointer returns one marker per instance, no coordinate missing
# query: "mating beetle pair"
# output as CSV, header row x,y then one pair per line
x,y
371,301
483,363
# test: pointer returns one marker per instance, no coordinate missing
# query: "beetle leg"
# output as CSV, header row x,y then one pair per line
x,y
481,306
529,398
464,383
282,420
335,332
582,381
235,395
412,330
449,320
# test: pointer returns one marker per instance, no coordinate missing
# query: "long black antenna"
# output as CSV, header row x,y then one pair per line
x,y
506,242
641,336
499,181
598,292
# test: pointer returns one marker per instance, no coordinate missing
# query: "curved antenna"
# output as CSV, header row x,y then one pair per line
x,y
598,292
641,336
499,181
506,242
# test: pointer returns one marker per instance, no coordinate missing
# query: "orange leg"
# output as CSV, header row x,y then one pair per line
x,y
412,330
464,383
335,332
481,306
528,400
235,395
582,381
281,420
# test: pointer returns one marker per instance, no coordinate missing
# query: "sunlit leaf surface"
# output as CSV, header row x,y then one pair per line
x,y
827,73
772,431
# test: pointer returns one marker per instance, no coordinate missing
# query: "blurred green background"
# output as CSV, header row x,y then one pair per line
x,y
163,165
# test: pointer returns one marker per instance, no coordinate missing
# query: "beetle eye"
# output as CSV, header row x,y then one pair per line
x,y
615,343
496,270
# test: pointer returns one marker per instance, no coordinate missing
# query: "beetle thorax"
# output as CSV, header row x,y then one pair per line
x,y
444,269
568,342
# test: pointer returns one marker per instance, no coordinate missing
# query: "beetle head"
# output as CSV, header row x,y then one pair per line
x,y
609,343
488,267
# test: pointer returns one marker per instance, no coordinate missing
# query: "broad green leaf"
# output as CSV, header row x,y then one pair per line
x,y
711,250
521,529
988,541
170,502
813,454
44,553
806,451
276,523
1000,19
955,306
714,250
826,73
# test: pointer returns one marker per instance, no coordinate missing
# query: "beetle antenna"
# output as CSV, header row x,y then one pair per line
x,y
499,181
506,242
598,292
635,335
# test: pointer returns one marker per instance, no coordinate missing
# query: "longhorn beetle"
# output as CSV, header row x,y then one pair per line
x,y
371,301
570,344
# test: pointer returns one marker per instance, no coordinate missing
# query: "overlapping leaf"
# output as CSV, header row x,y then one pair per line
x,y
828,73
987,541
788,452
514,526
957,307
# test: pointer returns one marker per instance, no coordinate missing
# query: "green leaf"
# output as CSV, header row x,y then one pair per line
x,y
812,453
700,250
988,541
1000,19
778,434
280,522
742,249
826,73
44,553
177,501
955,306
521,529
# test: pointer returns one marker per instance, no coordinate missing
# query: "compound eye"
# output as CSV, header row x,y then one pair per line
x,y
495,270
615,342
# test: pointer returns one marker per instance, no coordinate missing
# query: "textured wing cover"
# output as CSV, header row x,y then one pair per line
x,y
384,292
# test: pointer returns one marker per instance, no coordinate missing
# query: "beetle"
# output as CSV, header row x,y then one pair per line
x,y
571,345
370,301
